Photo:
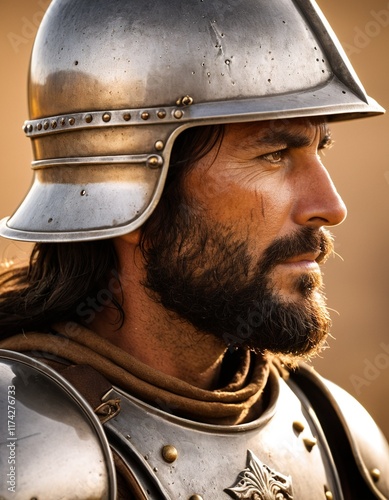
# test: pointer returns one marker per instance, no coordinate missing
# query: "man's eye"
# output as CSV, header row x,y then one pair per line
x,y
275,157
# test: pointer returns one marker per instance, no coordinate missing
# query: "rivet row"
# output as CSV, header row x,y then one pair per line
x,y
92,118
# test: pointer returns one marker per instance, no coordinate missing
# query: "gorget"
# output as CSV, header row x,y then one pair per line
x,y
281,455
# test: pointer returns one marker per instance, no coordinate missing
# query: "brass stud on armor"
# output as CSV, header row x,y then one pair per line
x,y
88,118
106,117
169,453
145,115
161,113
159,145
375,474
71,121
309,443
126,117
196,497
329,495
154,161
298,426
39,126
62,121
29,128
54,124
46,125
178,114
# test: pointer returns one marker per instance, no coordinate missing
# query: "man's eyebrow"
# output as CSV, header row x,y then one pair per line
x,y
292,139
285,138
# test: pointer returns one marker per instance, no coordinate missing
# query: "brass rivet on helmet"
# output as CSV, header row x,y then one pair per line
x,y
71,121
39,126
178,114
154,161
159,145
88,118
145,115
29,128
46,124
62,121
126,116
106,117
161,113
169,453
53,123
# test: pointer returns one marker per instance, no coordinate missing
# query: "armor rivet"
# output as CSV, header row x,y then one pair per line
x,y
88,118
62,121
106,117
83,192
169,453
309,443
159,145
46,125
145,115
71,121
178,114
375,474
39,126
29,128
54,124
126,117
154,161
161,113
298,426
196,497
329,495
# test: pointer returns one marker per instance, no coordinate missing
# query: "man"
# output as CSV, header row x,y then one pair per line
x,y
179,209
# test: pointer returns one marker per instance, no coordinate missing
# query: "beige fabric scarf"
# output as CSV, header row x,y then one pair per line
x,y
240,401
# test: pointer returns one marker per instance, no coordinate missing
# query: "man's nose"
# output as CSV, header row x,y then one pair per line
x,y
318,203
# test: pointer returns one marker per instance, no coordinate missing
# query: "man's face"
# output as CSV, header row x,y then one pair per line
x,y
244,262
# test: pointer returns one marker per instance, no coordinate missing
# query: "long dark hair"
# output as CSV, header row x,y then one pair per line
x,y
60,277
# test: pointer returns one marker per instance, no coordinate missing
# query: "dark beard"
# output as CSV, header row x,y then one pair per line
x,y
207,277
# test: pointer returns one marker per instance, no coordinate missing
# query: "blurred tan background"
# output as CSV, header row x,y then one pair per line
x,y
358,285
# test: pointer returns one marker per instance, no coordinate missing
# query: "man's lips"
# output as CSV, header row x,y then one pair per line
x,y
308,261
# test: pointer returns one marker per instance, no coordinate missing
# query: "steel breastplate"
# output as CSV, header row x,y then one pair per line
x,y
283,454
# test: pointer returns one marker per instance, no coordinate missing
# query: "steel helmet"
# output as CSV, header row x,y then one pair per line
x,y
113,82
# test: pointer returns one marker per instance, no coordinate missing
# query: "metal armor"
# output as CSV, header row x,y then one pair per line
x,y
52,444
112,83
60,446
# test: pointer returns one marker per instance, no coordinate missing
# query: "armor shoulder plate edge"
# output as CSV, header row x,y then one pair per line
x,y
46,415
341,414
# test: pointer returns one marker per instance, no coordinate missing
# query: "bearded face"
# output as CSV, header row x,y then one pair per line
x,y
240,253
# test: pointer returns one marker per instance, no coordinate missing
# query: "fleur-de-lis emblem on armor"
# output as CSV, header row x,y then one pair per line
x,y
260,482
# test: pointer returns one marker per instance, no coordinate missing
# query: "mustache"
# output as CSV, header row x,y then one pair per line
x,y
305,240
